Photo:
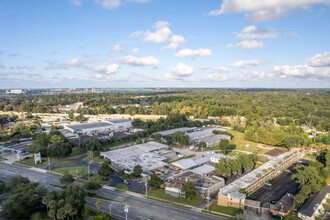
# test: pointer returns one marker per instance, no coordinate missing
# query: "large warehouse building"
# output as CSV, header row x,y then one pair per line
x,y
104,126
149,155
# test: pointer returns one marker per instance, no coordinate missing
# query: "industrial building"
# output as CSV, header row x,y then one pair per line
x,y
202,133
208,157
172,131
149,155
213,140
205,185
96,127
313,207
230,195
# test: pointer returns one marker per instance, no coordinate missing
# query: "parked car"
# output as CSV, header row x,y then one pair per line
x,y
180,155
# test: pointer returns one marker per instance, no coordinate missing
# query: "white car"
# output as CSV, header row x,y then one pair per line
x,y
180,155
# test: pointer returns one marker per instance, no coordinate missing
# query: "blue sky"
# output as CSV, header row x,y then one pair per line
x,y
164,43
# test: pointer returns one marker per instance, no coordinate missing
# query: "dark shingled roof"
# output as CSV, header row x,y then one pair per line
x,y
308,208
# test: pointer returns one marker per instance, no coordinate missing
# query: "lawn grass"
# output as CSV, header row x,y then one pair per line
x,y
96,159
30,161
122,186
190,156
64,163
81,171
225,210
241,143
76,151
161,194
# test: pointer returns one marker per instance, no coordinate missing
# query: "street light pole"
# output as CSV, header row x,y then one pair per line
x,y
208,200
48,164
126,210
281,210
146,184
110,208
88,171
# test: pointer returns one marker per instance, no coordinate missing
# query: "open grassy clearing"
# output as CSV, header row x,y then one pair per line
x,y
80,171
65,163
161,194
225,210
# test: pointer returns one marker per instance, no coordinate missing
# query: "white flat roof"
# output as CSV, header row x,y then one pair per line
x,y
232,189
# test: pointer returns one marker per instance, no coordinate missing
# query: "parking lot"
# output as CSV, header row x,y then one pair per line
x,y
277,187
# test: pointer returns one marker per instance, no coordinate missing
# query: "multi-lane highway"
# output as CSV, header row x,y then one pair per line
x,y
139,207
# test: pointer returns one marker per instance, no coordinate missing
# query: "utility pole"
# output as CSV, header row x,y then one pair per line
x,y
88,171
208,200
146,184
126,210
110,207
48,164
281,210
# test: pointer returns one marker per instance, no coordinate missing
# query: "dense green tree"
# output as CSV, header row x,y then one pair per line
x,y
106,169
24,201
137,170
223,145
66,179
92,145
189,190
201,145
155,181
93,184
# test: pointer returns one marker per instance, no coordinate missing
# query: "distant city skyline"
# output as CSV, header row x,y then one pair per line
x,y
155,43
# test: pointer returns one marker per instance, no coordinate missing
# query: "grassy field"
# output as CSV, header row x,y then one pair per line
x,y
96,159
75,152
161,194
241,143
225,210
65,163
30,161
122,186
80,171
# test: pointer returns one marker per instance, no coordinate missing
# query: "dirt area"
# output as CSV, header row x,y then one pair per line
x,y
275,152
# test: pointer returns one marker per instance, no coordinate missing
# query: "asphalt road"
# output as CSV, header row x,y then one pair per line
x,y
139,208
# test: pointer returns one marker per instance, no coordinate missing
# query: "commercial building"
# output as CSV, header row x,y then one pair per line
x,y
19,148
120,123
149,155
16,91
172,131
208,157
90,128
205,185
213,140
230,195
96,127
313,207
283,206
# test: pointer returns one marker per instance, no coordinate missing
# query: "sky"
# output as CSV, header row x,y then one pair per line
x,y
164,43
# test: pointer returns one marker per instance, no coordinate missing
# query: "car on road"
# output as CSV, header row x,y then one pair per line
x,y
180,155
126,182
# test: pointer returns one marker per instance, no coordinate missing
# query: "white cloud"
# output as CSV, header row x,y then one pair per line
x,y
75,2
215,77
264,10
117,48
138,61
162,34
220,69
247,45
252,32
319,60
136,34
109,4
193,53
180,71
316,68
248,63
135,50
171,46
109,70
74,62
